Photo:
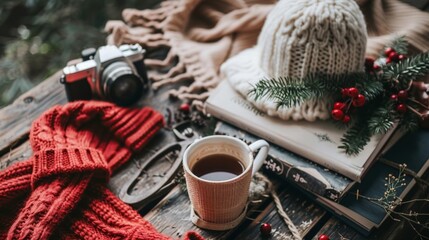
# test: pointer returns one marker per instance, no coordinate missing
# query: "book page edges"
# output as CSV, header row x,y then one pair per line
x,y
386,142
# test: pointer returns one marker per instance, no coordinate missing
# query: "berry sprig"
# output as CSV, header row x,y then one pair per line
x,y
393,56
390,55
408,99
400,98
342,109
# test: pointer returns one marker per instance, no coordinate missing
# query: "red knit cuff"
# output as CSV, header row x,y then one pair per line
x,y
136,126
65,161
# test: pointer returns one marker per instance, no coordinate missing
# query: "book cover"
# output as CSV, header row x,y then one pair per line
x,y
365,215
317,141
300,172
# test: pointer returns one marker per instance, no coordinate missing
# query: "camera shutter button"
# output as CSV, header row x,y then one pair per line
x,y
88,53
135,47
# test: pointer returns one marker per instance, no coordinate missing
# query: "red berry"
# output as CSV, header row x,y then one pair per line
x,y
388,60
353,92
323,237
394,56
344,92
394,97
265,229
346,119
388,51
402,95
359,101
376,67
337,114
401,57
184,107
339,105
401,108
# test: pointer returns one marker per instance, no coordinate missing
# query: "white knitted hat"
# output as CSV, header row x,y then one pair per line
x,y
299,38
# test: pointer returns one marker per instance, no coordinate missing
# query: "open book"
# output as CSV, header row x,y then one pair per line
x,y
317,141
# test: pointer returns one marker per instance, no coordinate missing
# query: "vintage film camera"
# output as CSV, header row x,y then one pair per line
x,y
114,74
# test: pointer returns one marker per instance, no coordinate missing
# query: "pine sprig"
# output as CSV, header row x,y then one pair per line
x,y
400,44
382,119
407,70
377,118
371,88
356,138
289,92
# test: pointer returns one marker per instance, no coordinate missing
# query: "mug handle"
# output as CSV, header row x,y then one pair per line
x,y
262,154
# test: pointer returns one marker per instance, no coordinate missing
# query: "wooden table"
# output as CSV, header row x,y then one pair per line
x,y
170,213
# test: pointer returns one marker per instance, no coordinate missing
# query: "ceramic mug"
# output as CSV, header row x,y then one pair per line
x,y
220,204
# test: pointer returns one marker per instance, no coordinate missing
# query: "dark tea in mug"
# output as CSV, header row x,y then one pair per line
x,y
218,167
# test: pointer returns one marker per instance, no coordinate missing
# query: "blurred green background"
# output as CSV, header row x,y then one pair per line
x,y
38,37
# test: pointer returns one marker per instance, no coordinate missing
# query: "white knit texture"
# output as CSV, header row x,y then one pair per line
x,y
299,38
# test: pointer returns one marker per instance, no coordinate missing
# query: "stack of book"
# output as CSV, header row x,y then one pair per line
x,y
306,154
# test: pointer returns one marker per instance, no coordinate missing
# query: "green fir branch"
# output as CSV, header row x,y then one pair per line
x,y
288,91
400,44
382,119
356,138
371,88
407,70
376,118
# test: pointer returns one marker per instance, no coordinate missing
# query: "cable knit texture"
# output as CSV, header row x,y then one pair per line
x,y
60,192
299,38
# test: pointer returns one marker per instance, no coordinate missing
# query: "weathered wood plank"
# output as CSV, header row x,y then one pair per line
x,y
172,217
303,213
16,119
16,154
338,230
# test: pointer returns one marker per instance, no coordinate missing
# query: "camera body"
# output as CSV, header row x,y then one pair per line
x,y
115,74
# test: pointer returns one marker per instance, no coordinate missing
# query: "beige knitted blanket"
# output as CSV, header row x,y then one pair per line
x,y
202,34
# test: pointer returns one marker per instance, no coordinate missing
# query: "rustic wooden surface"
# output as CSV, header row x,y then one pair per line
x,y
171,214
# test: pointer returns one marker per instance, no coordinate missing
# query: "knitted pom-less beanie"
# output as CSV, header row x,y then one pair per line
x,y
60,192
301,38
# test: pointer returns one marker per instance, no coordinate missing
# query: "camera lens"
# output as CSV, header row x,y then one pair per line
x,y
120,85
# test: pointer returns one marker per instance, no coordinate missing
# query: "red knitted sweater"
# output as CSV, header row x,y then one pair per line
x,y
60,192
